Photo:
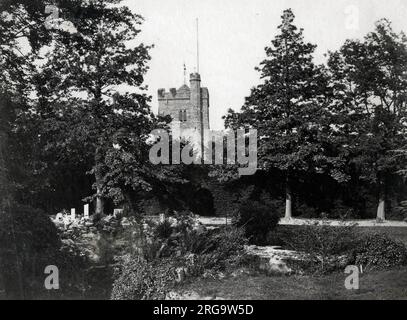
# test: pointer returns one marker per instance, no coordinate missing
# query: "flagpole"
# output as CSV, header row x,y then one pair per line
x,y
185,74
197,44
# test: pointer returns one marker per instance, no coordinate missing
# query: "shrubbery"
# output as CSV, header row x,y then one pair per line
x,y
258,220
327,249
378,251
400,212
222,250
139,279
184,237
29,242
150,270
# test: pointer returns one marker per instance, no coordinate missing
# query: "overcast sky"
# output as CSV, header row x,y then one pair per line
x,y
233,34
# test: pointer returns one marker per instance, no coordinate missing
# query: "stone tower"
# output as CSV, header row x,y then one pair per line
x,y
187,106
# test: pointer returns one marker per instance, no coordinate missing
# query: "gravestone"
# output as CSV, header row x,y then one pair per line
x,y
73,214
86,211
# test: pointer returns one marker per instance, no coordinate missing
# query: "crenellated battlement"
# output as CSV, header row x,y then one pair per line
x,y
183,92
188,105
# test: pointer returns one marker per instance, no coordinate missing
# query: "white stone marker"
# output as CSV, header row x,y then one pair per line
x,y
73,214
86,211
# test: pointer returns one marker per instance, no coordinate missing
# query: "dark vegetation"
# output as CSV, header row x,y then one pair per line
x,y
30,242
258,221
331,249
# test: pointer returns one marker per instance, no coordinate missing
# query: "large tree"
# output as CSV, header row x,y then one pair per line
x,y
369,79
22,33
287,108
82,99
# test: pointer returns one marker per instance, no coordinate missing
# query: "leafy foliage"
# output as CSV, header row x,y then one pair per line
x,y
401,211
83,111
258,220
378,251
149,271
342,124
369,105
184,237
139,279
327,248
29,242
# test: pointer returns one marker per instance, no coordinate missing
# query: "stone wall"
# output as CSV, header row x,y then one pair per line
x,y
191,100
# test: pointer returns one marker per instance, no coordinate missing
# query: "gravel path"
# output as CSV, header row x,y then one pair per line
x,y
219,221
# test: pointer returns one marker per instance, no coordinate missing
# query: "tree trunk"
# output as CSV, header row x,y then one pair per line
x,y
99,210
4,188
288,199
381,212
4,183
99,203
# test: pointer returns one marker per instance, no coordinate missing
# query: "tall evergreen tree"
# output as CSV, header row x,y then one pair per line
x,y
287,108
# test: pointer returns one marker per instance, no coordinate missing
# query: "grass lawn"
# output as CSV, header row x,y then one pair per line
x,y
373,286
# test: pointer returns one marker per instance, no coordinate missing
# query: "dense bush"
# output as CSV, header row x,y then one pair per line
x,y
326,248
184,237
399,212
258,220
138,279
378,251
174,236
29,242
323,239
74,268
222,250
197,250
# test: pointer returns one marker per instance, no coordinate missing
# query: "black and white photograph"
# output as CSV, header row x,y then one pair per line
x,y
215,151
